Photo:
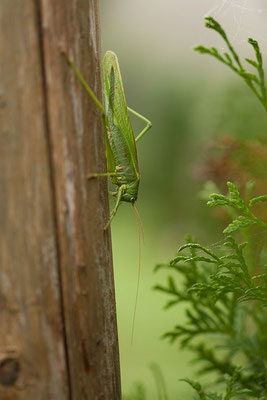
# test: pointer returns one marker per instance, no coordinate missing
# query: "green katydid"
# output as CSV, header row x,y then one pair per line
x,y
121,150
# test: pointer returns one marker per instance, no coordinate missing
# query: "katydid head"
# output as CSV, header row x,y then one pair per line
x,y
131,193
129,198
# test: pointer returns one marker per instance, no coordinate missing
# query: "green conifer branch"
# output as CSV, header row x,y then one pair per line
x,y
232,60
222,298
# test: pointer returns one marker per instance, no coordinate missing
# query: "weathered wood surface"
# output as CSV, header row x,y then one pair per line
x,y
58,334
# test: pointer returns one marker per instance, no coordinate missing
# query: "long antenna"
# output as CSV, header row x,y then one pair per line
x,y
139,269
140,223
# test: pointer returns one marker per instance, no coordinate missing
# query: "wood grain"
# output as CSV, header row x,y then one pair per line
x,y
58,329
32,355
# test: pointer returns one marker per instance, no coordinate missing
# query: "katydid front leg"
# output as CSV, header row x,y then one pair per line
x,y
118,201
92,175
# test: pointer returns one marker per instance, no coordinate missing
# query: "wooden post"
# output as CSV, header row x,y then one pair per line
x,y
58,329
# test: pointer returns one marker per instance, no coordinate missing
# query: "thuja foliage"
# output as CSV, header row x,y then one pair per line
x,y
226,299
224,290
232,60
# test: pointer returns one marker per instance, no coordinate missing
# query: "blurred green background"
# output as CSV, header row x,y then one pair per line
x,y
190,99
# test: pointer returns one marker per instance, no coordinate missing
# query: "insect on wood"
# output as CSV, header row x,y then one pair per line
x,y
121,152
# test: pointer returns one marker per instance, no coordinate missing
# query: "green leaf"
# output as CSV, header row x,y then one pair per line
x,y
258,199
251,62
199,247
241,222
256,84
197,387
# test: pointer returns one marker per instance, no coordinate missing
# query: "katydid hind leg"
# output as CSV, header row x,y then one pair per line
x,y
140,116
